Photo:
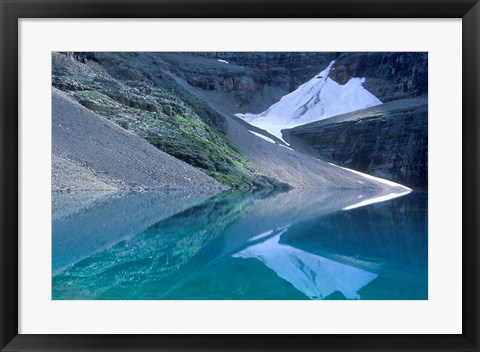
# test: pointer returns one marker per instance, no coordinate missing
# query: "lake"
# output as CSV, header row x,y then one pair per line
x,y
265,245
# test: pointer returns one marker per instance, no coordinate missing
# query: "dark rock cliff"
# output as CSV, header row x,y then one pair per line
x,y
388,141
389,75
270,75
252,81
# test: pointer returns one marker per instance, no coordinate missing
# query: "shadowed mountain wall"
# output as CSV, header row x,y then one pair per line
x,y
388,141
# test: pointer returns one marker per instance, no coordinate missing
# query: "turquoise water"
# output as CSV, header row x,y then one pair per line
x,y
294,245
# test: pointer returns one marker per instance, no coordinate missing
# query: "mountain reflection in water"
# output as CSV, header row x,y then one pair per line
x,y
315,276
299,244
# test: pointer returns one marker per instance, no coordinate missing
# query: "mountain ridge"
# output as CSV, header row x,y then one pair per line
x,y
163,98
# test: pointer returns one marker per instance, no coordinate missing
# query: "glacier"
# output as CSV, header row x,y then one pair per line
x,y
317,99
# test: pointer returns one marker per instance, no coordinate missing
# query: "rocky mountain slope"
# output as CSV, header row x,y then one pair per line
x,y
400,154
272,157
245,82
389,141
91,153
131,91
155,96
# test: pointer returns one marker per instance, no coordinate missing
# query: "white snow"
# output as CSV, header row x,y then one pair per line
x,y
225,62
282,145
404,190
317,277
317,99
263,137
378,179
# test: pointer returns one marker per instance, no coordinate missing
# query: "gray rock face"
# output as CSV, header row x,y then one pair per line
x,y
389,141
252,81
249,82
389,75
133,91
277,161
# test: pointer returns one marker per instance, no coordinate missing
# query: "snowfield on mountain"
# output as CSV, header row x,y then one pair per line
x,y
315,100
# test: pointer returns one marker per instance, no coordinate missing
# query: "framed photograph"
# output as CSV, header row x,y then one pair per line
x,y
234,175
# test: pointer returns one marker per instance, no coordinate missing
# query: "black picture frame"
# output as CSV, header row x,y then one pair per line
x,y
13,10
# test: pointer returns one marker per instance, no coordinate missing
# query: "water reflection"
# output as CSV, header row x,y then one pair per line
x,y
317,277
85,222
243,245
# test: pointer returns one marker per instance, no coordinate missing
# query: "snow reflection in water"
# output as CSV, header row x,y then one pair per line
x,y
317,277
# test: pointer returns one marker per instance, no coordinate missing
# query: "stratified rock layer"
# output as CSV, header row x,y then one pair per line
x,y
389,141
389,75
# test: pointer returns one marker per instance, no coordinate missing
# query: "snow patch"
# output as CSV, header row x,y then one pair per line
x,y
405,190
282,145
373,178
317,99
263,137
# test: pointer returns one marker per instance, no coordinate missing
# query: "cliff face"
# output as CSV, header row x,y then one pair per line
x,y
389,76
389,141
265,77
241,82
234,85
